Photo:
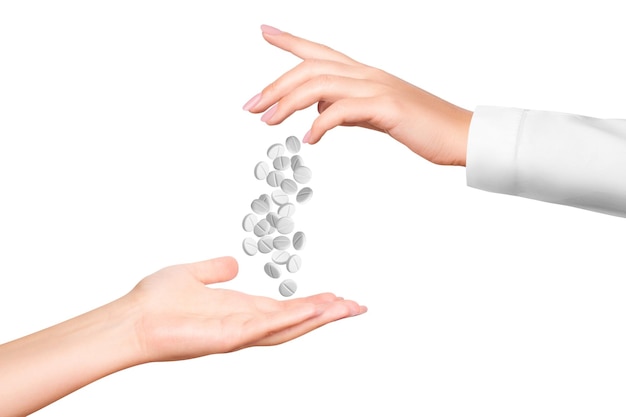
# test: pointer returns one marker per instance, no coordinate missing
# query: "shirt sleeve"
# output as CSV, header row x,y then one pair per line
x,y
559,158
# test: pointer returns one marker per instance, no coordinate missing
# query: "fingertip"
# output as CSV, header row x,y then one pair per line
x,y
270,30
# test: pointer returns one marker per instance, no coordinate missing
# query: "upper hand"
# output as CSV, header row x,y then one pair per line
x,y
349,93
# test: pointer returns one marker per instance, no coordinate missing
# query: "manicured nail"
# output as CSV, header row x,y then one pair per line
x,y
270,30
306,137
252,102
268,114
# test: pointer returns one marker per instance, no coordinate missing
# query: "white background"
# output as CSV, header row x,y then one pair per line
x,y
124,149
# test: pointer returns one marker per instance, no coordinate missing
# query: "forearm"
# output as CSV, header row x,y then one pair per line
x,y
38,369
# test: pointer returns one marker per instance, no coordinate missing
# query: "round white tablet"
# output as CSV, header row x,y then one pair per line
x,y
275,151
299,240
287,210
287,288
281,242
296,161
262,228
265,244
280,197
304,195
266,198
281,163
272,270
285,225
280,257
249,246
293,144
272,218
260,206
294,263
248,222
275,178
261,170
289,186
302,174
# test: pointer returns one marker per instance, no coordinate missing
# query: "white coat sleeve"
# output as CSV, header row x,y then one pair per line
x,y
555,157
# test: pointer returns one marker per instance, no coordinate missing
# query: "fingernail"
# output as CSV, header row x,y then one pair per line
x,y
252,102
306,137
270,30
268,114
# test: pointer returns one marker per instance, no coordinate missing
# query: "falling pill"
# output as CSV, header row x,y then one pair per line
x,y
293,263
261,170
285,225
279,197
289,186
262,228
275,151
280,257
248,222
281,242
265,244
250,246
281,163
272,270
287,288
260,206
287,210
272,219
293,144
299,240
296,161
304,195
302,174
275,178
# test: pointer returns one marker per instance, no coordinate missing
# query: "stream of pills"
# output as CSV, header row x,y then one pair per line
x,y
271,223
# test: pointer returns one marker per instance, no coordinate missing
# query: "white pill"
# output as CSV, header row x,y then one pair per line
x,y
302,174
272,270
262,228
265,244
266,198
274,178
249,246
294,263
304,195
280,197
261,170
287,288
281,163
287,210
248,222
281,242
280,257
285,225
275,151
260,206
272,218
293,144
289,186
296,161
299,240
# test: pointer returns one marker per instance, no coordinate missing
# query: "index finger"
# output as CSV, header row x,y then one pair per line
x,y
301,47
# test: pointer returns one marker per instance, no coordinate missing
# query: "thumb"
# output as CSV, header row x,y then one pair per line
x,y
215,270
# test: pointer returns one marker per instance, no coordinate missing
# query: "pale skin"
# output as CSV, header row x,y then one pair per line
x,y
348,93
173,314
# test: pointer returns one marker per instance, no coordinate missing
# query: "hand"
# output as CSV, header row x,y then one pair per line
x,y
181,318
169,315
349,93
